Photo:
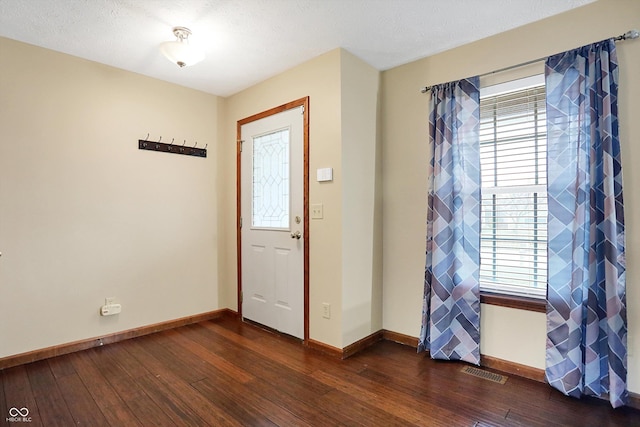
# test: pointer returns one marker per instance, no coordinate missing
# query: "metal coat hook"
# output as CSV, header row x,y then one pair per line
x,y
196,144
147,138
172,139
184,142
205,146
160,140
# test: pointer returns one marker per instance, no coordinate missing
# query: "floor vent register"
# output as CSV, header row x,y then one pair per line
x,y
486,375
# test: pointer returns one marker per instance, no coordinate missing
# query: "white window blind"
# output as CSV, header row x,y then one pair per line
x,y
513,142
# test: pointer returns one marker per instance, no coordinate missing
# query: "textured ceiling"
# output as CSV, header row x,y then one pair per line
x,y
247,41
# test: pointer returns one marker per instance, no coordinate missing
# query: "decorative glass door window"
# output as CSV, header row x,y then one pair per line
x,y
271,180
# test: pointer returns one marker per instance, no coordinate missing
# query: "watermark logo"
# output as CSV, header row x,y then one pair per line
x,y
18,415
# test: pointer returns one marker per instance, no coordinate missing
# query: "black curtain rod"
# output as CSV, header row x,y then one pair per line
x,y
631,34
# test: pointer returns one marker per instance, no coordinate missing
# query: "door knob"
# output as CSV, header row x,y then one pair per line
x,y
296,235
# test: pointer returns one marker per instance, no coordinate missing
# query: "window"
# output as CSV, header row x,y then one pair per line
x,y
270,204
513,141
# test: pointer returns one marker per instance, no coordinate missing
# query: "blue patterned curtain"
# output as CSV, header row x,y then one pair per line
x,y
586,304
451,304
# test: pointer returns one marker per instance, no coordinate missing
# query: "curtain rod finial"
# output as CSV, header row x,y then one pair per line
x,y
631,34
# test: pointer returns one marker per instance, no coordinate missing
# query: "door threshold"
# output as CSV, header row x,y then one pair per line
x,y
271,330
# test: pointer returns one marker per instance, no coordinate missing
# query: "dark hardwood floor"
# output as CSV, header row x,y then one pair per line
x,y
224,372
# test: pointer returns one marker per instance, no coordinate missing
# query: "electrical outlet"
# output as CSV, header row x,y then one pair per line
x,y
110,307
110,310
326,310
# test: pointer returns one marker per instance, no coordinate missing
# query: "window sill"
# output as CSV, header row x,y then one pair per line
x,y
522,303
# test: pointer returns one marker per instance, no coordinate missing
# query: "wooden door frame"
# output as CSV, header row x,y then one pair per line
x,y
304,103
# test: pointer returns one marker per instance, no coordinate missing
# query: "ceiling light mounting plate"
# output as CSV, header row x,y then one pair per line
x,y
182,33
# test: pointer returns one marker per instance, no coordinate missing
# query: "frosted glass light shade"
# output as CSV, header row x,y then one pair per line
x,y
179,51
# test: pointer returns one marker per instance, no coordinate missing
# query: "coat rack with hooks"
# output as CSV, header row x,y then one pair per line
x,y
172,147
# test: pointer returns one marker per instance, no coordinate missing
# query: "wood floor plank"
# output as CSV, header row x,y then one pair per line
x,y
225,372
255,404
254,409
440,382
124,385
204,408
4,410
136,401
148,413
289,352
400,405
52,409
245,415
83,408
41,379
18,393
570,411
108,400
441,390
59,367
111,365
184,364
172,364
356,413
298,404
267,364
175,409
51,403
117,361
213,359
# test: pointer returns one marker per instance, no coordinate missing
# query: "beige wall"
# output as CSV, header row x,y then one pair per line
x,y
345,246
85,215
361,207
320,80
506,333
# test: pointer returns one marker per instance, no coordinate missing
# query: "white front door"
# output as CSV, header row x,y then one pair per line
x,y
272,233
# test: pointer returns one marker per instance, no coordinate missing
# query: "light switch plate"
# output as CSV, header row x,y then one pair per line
x,y
317,211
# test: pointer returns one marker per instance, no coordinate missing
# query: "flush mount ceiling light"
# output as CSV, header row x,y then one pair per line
x,y
179,51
